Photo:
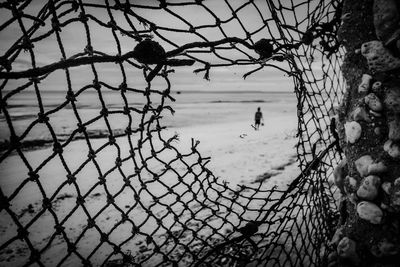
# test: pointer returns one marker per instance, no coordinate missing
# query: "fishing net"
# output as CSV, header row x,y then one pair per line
x,y
167,208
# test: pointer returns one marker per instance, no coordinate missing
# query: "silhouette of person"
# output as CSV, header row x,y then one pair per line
x,y
257,118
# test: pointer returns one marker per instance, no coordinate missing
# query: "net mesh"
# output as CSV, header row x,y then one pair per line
x,y
167,208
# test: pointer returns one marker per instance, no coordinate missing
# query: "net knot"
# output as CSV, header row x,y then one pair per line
x,y
33,176
5,63
42,118
4,203
55,24
83,18
46,203
22,233
26,44
59,229
70,179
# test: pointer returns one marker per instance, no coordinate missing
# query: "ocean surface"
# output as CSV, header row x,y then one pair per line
x,y
189,108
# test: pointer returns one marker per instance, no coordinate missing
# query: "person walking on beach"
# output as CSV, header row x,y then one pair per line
x,y
258,117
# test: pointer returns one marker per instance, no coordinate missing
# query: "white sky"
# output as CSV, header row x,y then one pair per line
x,y
74,39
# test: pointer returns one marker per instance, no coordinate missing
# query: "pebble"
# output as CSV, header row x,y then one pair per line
x,y
386,186
376,87
370,212
339,173
362,165
392,149
353,131
375,114
373,102
337,236
377,168
369,187
360,114
365,83
346,249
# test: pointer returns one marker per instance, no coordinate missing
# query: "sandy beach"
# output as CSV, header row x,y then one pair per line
x,y
239,155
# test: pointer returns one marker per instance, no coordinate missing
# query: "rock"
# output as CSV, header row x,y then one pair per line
x,y
384,248
395,195
377,168
362,165
359,114
392,149
392,100
386,208
373,102
369,187
332,259
376,87
353,131
365,83
386,20
394,128
378,57
339,173
386,186
370,212
337,237
346,249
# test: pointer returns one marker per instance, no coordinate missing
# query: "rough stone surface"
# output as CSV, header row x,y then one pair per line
x,y
385,248
378,57
373,102
394,128
395,195
346,249
370,212
365,83
392,100
353,131
392,149
362,165
369,187
386,20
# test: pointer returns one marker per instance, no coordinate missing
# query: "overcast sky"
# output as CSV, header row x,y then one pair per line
x,y
74,39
